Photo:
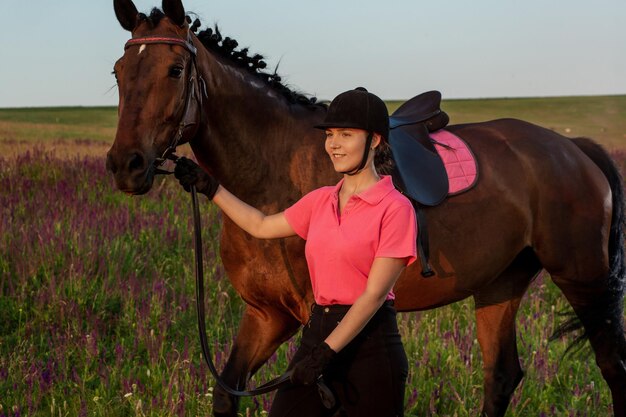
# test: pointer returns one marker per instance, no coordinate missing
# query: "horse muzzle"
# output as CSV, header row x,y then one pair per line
x,y
133,171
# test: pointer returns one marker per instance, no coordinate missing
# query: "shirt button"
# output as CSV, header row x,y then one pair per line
x,y
326,310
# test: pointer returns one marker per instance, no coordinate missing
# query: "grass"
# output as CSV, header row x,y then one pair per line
x,y
600,117
101,117
28,125
99,315
97,293
97,312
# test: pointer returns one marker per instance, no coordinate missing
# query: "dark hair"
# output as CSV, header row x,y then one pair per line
x,y
383,159
226,47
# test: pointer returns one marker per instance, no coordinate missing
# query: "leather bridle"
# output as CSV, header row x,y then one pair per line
x,y
196,88
187,120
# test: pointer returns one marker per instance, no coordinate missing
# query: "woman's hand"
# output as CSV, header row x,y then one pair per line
x,y
307,370
188,173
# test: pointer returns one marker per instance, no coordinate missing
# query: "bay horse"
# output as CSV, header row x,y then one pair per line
x,y
543,201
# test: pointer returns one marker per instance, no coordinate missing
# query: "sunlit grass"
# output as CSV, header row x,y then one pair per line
x,y
600,117
98,314
97,307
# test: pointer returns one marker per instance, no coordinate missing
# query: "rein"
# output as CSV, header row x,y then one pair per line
x,y
263,389
272,385
326,395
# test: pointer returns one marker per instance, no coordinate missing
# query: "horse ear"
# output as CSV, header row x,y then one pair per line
x,y
175,11
126,13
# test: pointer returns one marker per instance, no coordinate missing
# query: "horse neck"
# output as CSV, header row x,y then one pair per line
x,y
250,137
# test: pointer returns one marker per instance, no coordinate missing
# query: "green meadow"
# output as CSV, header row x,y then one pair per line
x,y
600,117
97,313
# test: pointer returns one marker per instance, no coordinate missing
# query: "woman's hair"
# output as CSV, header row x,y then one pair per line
x,y
383,160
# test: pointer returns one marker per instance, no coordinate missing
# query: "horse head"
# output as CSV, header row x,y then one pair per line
x,y
159,99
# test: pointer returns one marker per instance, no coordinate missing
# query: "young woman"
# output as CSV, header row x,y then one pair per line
x,y
360,235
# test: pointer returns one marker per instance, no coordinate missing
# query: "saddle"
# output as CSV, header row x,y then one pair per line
x,y
419,171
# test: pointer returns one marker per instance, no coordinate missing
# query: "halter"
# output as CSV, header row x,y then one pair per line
x,y
192,90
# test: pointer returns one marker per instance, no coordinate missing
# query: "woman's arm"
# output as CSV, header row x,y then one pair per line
x,y
251,219
383,276
245,216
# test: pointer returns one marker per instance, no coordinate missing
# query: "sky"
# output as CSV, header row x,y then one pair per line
x,y
61,53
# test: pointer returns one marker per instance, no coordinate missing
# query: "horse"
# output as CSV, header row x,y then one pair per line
x,y
543,202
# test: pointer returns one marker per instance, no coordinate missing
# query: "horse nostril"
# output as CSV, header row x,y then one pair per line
x,y
110,164
136,162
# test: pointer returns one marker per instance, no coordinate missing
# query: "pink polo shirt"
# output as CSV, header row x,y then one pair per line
x,y
340,250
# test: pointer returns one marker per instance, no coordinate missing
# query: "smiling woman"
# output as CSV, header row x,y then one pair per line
x,y
488,243
346,147
373,238
352,117
339,140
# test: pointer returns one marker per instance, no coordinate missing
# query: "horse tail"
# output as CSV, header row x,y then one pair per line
x,y
609,307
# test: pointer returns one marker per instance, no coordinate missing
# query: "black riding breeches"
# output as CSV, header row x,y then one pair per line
x,y
367,377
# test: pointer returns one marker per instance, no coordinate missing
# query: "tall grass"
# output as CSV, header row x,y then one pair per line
x,y
97,313
97,294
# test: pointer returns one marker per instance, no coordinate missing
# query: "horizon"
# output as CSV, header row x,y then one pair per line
x,y
108,106
482,50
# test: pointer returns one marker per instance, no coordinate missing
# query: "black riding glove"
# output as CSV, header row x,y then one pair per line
x,y
188,173
308,369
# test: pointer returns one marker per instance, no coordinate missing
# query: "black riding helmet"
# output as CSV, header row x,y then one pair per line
x,y
358,109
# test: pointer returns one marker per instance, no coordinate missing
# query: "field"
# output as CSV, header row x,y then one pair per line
x,y
97,314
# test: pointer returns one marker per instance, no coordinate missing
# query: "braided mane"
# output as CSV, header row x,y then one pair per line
x,y
226,47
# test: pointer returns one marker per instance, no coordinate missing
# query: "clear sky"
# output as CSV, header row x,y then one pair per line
x,y
62,52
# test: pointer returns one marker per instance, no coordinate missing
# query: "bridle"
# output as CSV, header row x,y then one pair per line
x,y
187,120
196,87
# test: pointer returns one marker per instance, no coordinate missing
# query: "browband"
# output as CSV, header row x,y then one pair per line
x,y
156,39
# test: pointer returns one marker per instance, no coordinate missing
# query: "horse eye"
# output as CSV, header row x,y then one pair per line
x,y
176,72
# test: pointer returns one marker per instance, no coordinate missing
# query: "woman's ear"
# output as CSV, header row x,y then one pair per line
x,y
375,141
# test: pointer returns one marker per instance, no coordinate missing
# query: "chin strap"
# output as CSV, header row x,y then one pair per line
x,y
368,143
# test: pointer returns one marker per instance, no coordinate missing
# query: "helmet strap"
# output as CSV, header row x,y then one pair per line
x,y
368,143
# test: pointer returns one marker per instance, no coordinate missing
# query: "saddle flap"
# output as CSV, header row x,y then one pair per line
x,y
422,174
418,109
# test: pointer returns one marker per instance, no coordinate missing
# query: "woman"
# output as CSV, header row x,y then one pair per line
x,y
360,236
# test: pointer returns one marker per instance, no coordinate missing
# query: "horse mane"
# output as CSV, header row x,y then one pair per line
x,y
226,47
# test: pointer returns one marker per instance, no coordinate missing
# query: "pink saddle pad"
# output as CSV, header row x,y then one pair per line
x,y
458,159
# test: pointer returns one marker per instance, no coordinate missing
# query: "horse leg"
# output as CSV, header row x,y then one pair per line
x,y
496,308
260,334
595,292
607,340
601,315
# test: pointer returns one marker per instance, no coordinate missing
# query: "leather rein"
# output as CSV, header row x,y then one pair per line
x,y
188,120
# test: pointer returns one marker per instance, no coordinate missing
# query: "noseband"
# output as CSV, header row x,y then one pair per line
x,y
193,90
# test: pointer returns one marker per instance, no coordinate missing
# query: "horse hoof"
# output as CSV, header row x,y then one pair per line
x,y
223,404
